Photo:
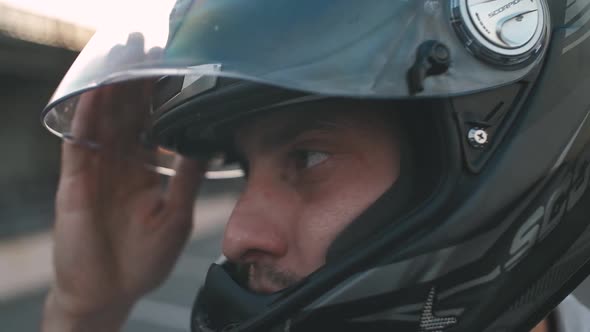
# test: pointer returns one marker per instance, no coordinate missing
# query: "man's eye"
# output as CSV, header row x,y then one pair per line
x,y
308,159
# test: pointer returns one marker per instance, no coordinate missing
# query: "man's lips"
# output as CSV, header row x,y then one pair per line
x,y
258,283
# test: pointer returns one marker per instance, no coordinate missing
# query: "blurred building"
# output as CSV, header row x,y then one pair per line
x,y
35,52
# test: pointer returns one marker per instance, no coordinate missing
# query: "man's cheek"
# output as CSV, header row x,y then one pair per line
x,y
331,181
318,230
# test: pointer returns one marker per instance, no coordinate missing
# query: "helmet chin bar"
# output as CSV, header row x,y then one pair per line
x,y
222,303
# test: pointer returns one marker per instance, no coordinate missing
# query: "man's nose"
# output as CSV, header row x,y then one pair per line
x,y
258,225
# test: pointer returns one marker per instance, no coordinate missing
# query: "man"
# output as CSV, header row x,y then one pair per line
x,y
410,188
302,190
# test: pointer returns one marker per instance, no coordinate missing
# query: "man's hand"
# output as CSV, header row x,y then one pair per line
x,y
118,231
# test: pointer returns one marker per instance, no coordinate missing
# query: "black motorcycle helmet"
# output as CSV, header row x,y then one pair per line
x,y
491,233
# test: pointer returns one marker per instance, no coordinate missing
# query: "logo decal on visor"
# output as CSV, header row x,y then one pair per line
x,y
505,32
504,8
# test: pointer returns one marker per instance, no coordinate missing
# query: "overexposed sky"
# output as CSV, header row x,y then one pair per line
x,y
82,12
88,13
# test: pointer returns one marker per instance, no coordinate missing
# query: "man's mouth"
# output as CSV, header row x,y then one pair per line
x,y
267,279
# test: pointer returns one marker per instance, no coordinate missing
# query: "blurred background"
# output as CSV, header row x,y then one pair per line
x,y
39,39
38,42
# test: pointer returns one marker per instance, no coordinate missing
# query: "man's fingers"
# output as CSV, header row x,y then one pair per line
x,y
107,120
154,54
77,149
183,187
87,112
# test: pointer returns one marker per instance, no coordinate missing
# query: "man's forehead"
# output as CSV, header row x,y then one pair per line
x,y
338,117
280,127
309,114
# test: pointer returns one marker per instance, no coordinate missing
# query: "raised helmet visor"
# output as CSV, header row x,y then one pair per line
x,y
422,48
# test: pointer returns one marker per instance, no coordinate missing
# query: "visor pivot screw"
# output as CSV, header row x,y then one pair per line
x,y
478,137
433,58
441,55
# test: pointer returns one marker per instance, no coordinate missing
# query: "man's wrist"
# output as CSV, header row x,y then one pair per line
x,y
58,317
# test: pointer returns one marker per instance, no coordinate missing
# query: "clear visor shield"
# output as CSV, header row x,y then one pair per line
x,y
378,49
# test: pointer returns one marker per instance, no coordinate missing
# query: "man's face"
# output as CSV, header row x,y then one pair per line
x,y
309,174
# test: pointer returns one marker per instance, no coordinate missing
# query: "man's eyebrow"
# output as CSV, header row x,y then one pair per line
x,y
283,136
